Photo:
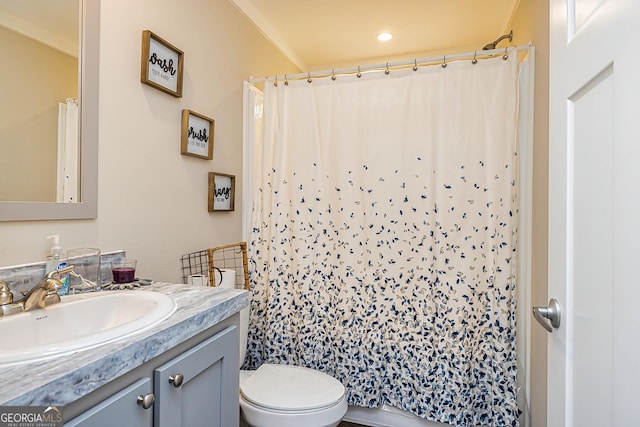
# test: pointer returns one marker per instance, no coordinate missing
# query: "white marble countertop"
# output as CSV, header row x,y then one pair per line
x,y
60,380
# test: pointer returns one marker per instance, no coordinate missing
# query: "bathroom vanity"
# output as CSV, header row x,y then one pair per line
x,y
181,371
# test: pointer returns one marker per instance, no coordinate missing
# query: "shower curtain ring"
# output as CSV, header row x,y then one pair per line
x,y
286,82
275,83
333,74
444,61
415,65
309,78
359,73
387,70
505,56
474,61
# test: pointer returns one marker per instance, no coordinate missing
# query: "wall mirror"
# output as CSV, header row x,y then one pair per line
x,y
49,120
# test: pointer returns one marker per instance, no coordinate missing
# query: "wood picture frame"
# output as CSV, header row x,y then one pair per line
x,y
197,135
222,191
162,64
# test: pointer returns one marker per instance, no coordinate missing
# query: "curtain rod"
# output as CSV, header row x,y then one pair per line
x,y
389,65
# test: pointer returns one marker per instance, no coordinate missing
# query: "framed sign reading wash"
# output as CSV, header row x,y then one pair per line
x,y
161,65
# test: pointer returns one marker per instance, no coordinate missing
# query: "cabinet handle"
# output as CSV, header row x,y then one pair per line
x,y
176,380
146,401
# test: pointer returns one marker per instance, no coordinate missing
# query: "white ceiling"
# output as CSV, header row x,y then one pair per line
x,y
314,34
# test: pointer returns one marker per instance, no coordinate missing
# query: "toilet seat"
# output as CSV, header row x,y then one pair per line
x,y
291,389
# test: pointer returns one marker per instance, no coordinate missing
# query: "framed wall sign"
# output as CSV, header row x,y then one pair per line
x,y
161,65
197,135
222,190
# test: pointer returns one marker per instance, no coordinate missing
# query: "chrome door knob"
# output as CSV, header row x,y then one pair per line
x,y
551,313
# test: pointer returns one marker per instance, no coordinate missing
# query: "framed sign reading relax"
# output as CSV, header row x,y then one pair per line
x,y
197,135
222,189
161,64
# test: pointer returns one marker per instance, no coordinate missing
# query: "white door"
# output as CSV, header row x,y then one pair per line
x,y
594,222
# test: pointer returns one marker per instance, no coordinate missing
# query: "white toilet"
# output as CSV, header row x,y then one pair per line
x,y
286,395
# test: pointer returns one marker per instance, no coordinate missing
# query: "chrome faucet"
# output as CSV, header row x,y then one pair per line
x,y
41,295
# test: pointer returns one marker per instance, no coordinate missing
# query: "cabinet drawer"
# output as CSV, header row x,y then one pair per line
x,y
121,409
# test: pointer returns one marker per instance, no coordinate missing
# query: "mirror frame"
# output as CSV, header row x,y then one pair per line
x,y
87,208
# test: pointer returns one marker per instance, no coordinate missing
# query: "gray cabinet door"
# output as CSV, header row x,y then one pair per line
x,y
200,387
121,409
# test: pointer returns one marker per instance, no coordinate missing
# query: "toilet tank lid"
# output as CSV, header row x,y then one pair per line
x,y
291,388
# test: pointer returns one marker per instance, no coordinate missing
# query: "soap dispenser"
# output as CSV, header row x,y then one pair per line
x,y
55,262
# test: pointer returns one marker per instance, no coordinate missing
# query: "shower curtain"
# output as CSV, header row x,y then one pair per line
x,y
68,152
383,237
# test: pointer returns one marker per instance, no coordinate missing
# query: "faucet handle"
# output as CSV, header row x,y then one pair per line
x,y
6,297
52,285
58,271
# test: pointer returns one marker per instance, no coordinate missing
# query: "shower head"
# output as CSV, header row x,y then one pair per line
x,y
493,45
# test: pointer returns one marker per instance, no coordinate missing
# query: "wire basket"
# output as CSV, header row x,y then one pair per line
x,y
205,262
195,263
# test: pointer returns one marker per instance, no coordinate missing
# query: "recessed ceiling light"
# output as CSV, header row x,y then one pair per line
x,y
383,37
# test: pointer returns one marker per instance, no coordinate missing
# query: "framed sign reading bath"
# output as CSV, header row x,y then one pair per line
x,y
162,64
222,189
197,135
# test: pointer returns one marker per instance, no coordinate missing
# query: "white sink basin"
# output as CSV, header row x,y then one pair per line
x,y
80,322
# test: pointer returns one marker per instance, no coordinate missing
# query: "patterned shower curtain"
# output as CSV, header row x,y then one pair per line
x,y
383,237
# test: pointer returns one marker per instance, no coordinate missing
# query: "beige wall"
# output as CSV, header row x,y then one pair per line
x,y
35,78
152,201
531,23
